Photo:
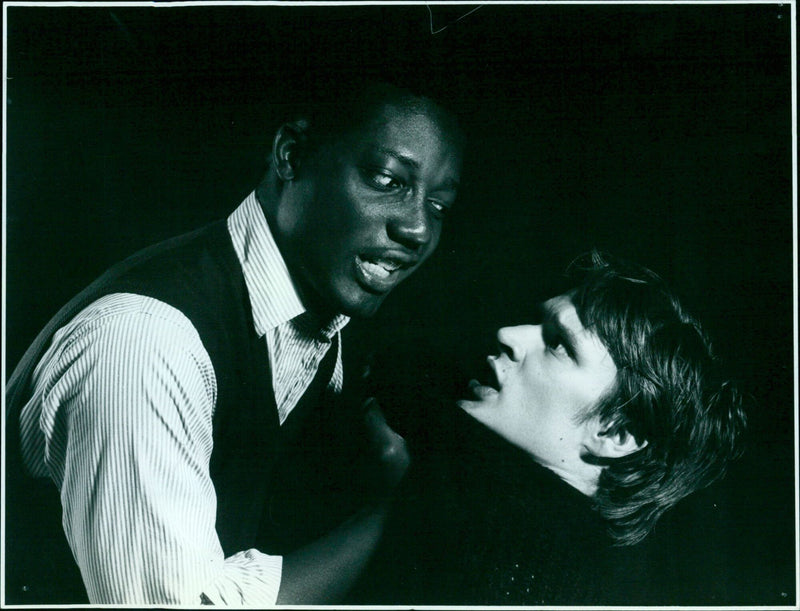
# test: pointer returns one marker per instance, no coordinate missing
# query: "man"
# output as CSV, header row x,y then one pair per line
x,y
169,400
588,426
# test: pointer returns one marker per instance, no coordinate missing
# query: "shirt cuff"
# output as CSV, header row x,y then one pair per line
x,y
249,578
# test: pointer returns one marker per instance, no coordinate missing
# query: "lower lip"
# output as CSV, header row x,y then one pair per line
x,y
480,391
376,282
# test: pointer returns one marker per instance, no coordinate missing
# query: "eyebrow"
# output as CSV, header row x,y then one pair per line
x,y
404,159
450,183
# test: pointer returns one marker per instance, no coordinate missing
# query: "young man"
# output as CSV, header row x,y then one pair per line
x,y
588,426
168,400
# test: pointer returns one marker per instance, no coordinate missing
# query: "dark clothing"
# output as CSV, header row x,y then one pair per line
x,y
200,275
479,523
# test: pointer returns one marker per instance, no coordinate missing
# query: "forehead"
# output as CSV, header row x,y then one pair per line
x,y
560,309
411,119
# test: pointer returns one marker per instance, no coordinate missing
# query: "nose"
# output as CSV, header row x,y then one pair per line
x,y
412,225
512,341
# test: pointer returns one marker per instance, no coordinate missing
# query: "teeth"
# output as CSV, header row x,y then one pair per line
x,y
381,268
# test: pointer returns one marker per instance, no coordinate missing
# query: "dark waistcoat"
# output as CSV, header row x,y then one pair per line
x,y
200,275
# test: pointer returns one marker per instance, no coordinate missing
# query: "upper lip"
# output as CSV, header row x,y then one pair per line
x,y
493,378
402,259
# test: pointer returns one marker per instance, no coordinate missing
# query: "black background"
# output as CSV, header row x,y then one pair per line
x,y
658,133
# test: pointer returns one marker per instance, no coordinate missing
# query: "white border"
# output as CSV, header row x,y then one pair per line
x,y
196,3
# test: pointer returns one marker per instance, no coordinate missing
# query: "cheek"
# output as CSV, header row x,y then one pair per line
x,y
339,223
553,398
593,388
526,408
542,383
355,213
436,233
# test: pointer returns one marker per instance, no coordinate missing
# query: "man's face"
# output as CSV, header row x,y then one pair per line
x,y
541,383
365,211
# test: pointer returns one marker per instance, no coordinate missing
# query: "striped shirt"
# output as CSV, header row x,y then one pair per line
x,y
121,420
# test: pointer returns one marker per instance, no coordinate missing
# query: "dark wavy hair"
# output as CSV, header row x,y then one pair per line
x,y
669,392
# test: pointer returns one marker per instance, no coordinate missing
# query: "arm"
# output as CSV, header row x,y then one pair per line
x,y
323,571
127,399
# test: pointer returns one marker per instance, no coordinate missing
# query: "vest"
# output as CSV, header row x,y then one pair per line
x,y
200,275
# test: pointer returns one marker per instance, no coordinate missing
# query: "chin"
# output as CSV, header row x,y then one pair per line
x,y
364,305
364,310
335,299
473,408
485,412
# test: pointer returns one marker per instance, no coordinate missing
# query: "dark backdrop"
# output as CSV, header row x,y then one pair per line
x,y
657,133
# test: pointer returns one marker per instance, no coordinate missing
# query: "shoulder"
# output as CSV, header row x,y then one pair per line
x,y
124,337
124,372
136,319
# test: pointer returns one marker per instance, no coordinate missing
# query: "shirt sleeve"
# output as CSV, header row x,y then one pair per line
x,y
127,397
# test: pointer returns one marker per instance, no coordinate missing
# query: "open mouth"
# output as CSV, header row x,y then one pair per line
x,y
379,267
380,273
481,391
487,384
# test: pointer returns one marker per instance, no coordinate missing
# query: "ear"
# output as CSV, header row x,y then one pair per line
x,y
607,443
287,147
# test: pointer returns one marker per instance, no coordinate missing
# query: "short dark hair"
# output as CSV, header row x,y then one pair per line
x,y
669,392
333,109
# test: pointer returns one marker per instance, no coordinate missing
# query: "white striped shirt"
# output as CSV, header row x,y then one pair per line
x,y
296,341
121,420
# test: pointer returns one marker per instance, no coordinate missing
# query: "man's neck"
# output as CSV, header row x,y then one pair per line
x,y
267,194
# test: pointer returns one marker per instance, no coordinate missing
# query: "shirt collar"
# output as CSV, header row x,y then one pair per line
x,y
273,296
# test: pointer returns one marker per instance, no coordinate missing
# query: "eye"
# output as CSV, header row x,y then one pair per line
x,y
440,208
557,347
383,180
554,342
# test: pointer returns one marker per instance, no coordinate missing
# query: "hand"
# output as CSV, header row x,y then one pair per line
x,y
387,446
